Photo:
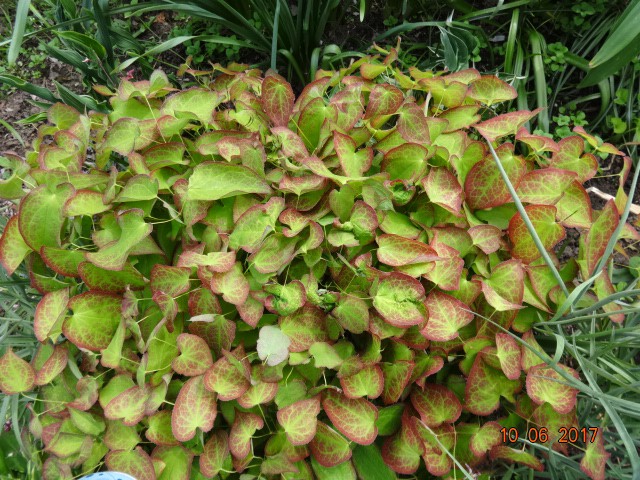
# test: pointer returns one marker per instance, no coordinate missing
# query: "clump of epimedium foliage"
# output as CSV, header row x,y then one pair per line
x,y
239,280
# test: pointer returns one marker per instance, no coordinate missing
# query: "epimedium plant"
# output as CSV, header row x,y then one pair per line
x,y
238,280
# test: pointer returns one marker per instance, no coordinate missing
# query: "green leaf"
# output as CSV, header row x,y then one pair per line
x,y
544,384
485,386
232,285
195,408
177,461
94,321
304,328
195,357
518,456
85,202
243,428
406,162
447,315
136,463
13,248
383,100
354,418
133,230
17,375
343,471
216,451
138,188
595,458
367,382
328,447
83,42
543,219
504,289
325,355
398,299
352,313
570,157
369,463
196,103
214,181
254,224
491,90
159,431
299,420
436,405
487,437
273,345
277,100
505,124
40,218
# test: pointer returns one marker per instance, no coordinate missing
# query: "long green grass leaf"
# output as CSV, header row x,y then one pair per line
x,y
22,12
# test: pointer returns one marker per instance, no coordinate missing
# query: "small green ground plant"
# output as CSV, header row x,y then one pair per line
x,y
347,283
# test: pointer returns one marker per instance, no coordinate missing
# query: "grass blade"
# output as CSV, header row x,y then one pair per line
x,y
22,12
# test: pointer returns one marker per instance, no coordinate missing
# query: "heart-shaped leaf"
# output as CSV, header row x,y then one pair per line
x,y
299,420
354,418
17,375
398,299
273,345
195,408
436,405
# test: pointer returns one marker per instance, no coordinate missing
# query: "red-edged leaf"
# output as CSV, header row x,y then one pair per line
x,y
595,458
544,186
368,382
412,124
487,437
305,327
53,366
398,299
195,357
438,444
195,408
443,189
570,157
259,393
136,463
574,207
513,455
277,100
17,375
436,404
504,289
49,312
538,143
226,379
216,450
485,386
490,90
599,234
354,418
243,428
299,420
328,447
383,100
129,406
486,237
543,219
396,378
232,285
544,384
447,315
508,352
395,251
402,451
505,124
484,186
173,281
95,318
13,248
